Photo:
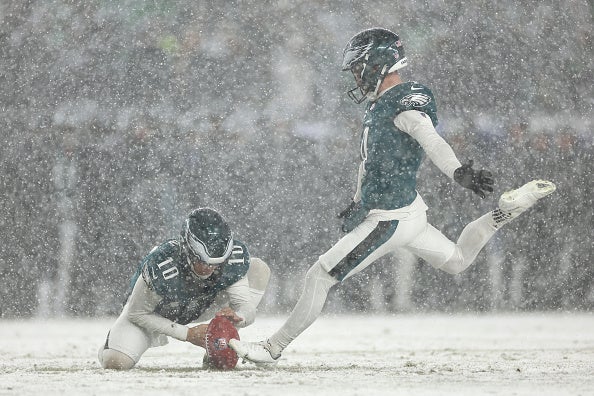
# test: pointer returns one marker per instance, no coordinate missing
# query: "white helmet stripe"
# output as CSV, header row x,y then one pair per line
x,y
199,249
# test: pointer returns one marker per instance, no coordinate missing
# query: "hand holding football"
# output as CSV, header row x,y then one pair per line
x,y
220,330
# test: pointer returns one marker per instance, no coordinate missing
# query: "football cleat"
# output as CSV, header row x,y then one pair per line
x,y
513,203
255,352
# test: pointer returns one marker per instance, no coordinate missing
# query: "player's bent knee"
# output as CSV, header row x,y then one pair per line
x,y
116,360
317,273
455,264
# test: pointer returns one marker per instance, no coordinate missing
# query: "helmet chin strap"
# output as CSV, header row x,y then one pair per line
x,y
374,95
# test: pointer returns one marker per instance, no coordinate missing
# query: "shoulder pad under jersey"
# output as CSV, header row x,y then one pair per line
x,y
239,254
238,263
414,96
162,267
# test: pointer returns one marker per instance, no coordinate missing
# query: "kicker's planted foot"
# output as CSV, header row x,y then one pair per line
x,y
256,352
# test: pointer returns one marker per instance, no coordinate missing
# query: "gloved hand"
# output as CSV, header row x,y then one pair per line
x,y
348,211
477,181
352,216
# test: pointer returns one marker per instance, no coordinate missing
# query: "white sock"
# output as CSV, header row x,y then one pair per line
x,y
311,302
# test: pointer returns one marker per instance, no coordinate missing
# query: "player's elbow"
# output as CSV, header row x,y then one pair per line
x,y
249,316
258,274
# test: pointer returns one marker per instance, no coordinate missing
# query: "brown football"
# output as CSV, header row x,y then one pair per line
x,y
220,330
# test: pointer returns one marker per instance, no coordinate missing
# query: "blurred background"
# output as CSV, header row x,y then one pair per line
x,y
119,117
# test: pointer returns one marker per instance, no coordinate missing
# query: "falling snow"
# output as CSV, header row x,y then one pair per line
x,y
119,117
410,355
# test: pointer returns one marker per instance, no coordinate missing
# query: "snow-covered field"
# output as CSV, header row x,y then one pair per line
x,y
433,354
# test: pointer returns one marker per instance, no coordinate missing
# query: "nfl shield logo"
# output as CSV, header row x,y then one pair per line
x,y
220,343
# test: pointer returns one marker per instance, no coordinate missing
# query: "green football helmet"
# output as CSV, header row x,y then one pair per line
x,y
206,236
370,55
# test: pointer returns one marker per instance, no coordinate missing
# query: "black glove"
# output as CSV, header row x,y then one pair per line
x,y
477,181
352,216
348,211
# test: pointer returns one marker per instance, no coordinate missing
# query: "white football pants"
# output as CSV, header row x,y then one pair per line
x,y
380,233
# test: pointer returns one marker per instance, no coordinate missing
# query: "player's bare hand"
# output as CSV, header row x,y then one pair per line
x,y
197,335
229,314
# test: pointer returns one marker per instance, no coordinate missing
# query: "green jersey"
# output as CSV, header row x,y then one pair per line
x,y
186,296
391,157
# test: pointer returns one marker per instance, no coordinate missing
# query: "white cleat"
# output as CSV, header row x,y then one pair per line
x,y
255,352
515,202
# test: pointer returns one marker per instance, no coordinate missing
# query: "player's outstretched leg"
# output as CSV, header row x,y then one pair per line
x,y
515,202
476,234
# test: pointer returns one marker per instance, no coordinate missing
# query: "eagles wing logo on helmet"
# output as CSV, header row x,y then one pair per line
x,y
353,54
379,52
415,100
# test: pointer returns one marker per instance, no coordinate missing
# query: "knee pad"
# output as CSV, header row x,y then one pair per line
x,y
455,263
111,359
317,273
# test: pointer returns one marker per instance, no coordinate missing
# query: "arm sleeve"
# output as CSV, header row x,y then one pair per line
x,y
141,311
418,125
241,302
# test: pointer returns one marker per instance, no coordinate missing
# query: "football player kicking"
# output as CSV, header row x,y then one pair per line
x,y
182,281
387,212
